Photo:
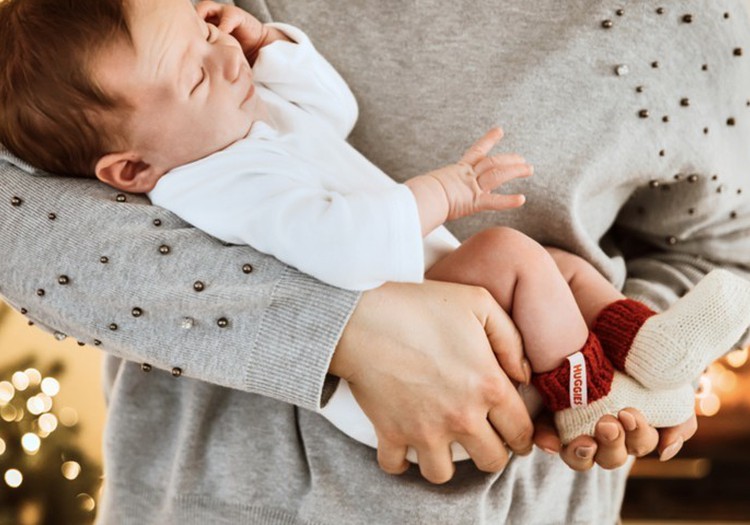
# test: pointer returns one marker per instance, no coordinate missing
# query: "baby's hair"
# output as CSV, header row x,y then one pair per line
x,y
50,106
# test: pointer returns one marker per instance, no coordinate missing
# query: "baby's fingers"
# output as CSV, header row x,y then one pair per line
x,y
223,17
498,201
492,178
209,11
498,161
480,148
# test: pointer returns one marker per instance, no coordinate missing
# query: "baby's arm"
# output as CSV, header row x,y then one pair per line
x,y
464,188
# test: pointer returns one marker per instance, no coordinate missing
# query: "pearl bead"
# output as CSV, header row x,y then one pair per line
x,y
176,372
16,201
222,322
198,286
146,367
63,279
164,249
136,312
247,268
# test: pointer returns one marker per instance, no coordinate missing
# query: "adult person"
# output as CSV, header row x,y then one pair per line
x,y
205,453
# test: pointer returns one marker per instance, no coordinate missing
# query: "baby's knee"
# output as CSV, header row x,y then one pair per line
x,y
568,263
507,240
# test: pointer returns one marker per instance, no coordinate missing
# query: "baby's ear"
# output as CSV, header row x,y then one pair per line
x,y
127,172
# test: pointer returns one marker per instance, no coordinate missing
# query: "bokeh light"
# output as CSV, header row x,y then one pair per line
x,y
70,470
20,381
50,386
31,443
13,477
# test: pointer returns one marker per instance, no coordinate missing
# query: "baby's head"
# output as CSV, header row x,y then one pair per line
x,y
122,89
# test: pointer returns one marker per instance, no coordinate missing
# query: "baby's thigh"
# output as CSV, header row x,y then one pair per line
x,y
494,259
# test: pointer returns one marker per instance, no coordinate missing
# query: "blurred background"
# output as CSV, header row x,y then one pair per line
x,y
52,416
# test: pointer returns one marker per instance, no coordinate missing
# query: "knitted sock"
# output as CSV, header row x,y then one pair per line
x,y
597,389
672,348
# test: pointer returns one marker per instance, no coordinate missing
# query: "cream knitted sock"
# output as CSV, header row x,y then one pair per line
x,y
672,348
586,387
661,408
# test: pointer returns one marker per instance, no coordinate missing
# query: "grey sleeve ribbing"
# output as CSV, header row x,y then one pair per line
x,y
139,283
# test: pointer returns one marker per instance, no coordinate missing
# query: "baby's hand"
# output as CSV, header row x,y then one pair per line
x,y
468,184
250,32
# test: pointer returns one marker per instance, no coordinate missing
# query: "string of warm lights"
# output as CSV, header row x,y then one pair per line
x,y
719,383
27,406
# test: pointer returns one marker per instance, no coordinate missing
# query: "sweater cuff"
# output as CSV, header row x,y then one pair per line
x,y
296,339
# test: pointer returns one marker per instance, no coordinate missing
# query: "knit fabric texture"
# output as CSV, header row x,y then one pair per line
x,y
554,386
675,346
661,408
617,325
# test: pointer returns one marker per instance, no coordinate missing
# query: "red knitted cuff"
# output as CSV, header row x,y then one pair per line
x,y
554,385
617,325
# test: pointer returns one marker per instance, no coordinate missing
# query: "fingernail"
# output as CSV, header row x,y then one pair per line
x,y
526,371
672,450
628,421
585,452
549,451
609,430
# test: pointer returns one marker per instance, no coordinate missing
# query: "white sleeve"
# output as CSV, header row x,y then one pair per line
x,y
356,241
298,73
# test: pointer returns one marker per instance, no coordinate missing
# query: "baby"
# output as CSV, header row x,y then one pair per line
x,y
240,128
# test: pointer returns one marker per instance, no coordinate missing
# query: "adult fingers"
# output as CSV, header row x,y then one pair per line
x,y
545,434
391,456
480,148
436,463
498,161
503,336
610,436
510,418
671,439
640,437
580,453
490,179
486,450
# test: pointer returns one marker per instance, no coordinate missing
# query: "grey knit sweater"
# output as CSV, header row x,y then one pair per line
x,y
638,130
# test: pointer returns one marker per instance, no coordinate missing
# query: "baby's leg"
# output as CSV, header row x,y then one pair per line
x,y
666,349
524,279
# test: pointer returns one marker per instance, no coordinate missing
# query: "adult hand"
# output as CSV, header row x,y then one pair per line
x,y
430,364
614,440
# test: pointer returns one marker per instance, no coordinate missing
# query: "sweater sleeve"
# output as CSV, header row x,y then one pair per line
x,y
112,271
356,240
298,73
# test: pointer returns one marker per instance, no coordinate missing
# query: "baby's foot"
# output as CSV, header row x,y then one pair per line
x,y
672,348
597,389
661,408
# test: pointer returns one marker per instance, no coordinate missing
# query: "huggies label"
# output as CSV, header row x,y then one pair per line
x,y
578,389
